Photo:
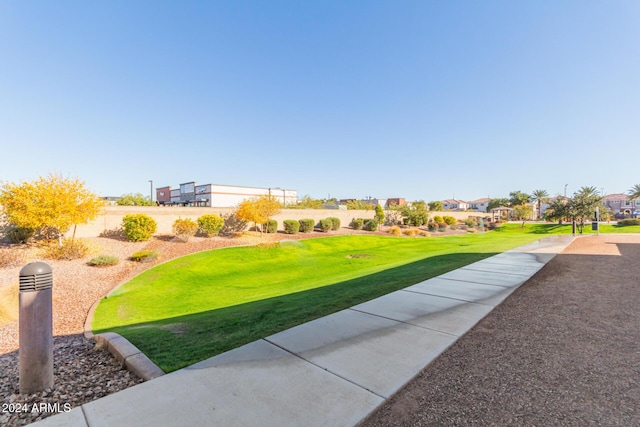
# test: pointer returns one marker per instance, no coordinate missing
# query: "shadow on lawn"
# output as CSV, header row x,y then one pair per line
x,y
177,342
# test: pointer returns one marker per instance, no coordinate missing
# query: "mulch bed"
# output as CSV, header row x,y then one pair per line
x,y
564,349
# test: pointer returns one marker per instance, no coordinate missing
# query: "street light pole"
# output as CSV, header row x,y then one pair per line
x,y
151,191
565,191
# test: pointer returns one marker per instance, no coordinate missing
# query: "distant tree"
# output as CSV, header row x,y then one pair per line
x,y
497,203
258,210
518,198
49,204
605,213
539,197
634,193
379,216
132,199
436,205
523,213
582,206
557,210
307,202
415,213
359,205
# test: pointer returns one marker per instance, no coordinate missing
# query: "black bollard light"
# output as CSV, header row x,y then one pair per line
x,y
36,328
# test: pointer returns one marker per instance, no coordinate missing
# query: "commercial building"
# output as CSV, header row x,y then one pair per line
x,y
219,196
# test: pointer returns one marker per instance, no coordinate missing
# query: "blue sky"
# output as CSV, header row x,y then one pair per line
x,y
417,99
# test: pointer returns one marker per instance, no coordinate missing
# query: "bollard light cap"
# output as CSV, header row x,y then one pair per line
x,y
36,276
33,268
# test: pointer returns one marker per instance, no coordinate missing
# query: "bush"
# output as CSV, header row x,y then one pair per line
x,y
145,256
395,230
432,226
335,223
232,224
20,234
270,226
291,226
68,251
449,220
371,225
470,221
184,228
412,232
357,223
442,226
138,227
306,225
628,222
104,261
437,219
325,225
10,258
210,225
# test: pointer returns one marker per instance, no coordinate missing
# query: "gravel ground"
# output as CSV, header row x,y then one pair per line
x,y
564,349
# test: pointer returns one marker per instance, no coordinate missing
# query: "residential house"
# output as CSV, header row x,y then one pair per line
x,y
621,205
480,205
454,205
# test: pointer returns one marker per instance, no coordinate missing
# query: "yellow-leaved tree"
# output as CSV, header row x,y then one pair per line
x,y
258,210
49,203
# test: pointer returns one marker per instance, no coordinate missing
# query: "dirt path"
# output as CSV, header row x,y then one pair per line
x,y
564,349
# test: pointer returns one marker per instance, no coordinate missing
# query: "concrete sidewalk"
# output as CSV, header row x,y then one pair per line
x,y
332,371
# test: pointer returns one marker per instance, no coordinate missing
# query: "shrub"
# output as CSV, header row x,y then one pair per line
x,y
432,226
20,234
306,225
138,227
357,223
442,226
68,251
184,228
270,226
449,220
628,222
395,230
424,234
114,233
371,225
104,261
291,226
470,221
145,256
10,258
210,224
437,219
412,232
379,216
232,224
325,225
335,223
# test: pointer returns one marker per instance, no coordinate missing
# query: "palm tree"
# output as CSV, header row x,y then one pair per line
x,y
540,197
634,194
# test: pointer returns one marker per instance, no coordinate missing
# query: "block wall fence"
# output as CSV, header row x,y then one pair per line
x,y
111,219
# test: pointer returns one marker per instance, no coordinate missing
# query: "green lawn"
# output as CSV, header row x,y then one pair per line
x,y
201,305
